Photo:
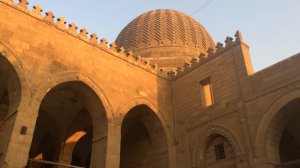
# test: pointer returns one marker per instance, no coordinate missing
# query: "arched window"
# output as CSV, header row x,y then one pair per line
x,y
219,152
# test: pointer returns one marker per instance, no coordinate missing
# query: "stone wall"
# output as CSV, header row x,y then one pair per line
x,y
49,55
270,90
194,121
250,110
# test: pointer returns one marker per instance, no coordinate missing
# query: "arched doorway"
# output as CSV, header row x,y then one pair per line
x,y
219,153
144,141
10,95
283,136
70,122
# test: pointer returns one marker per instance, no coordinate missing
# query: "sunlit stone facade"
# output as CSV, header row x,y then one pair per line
x,y
164,96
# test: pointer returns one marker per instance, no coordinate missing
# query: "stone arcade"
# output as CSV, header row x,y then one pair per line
x,y
164,95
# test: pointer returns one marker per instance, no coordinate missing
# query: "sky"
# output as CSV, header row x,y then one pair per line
x,y
270,27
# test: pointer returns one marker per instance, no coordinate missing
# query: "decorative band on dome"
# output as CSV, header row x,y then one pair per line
x,y
164,27
166,37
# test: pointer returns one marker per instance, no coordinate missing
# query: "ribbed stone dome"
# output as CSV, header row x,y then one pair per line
x,y
166,37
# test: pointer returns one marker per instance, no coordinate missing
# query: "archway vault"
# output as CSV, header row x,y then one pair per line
x,y
261,132
72,76
123,109
74,105
144,139
23,77
18,93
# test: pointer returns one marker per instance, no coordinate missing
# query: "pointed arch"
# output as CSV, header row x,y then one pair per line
x,y
18,90
135,109
72,76
274,114
133,102
84,89
199,149
18,66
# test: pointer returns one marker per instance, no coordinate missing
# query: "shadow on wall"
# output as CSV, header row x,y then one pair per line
x,y
283,136
144,141
71,127
10,95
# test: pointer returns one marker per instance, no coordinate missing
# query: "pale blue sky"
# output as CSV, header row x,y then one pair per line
x,y
270,27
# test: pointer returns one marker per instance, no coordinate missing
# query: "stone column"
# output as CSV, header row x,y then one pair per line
x,y
67,148
6,129
113,146
16,140
172,156
66,153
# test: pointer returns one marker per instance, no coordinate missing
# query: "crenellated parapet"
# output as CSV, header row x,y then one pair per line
x,y
119,51
83,35
211,53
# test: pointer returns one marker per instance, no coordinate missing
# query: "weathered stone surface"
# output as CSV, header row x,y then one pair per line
x,y
70,99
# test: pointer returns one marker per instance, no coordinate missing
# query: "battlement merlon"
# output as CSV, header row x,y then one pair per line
x,y
240,48
129,56
83,35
